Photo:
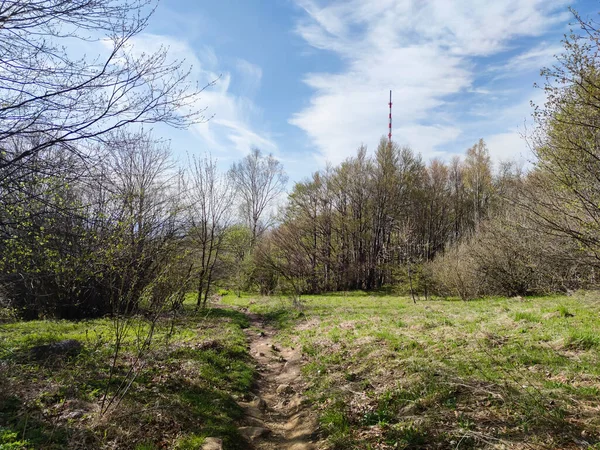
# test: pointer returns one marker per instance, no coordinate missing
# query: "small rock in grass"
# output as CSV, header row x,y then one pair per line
x,y
74,415
210,345
212,443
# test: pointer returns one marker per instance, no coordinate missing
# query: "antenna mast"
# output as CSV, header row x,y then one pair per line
x,y
390,124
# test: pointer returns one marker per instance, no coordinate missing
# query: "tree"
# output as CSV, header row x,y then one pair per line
x,y
564,191
211,197
386,196
458,198
436,209
144,213
259,181
238,257
284,253
48,97
478,180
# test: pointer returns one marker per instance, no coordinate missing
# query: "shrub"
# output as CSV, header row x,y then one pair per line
x,y
507,257
455,274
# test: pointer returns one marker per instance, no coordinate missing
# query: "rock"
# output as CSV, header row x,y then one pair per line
x,y
291,365
284,389
302,446
551,315
251,421
69,347
212,444
260,404
253,433
295,402
251,410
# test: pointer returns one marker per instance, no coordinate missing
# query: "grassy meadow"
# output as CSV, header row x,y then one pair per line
x,y
382,372
493,373
185,390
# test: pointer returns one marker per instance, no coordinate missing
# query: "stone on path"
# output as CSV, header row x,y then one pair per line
x,y
253,433
302,446
285,389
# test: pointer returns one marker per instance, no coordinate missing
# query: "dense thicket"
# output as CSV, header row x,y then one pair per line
x,y
91,237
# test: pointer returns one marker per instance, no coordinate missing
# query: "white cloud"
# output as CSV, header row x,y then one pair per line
x,y
533,59
509,146
232,126
512,144
425,51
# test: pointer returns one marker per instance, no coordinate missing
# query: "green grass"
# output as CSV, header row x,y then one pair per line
x,y
444,373
583,339
195,370
382,372
527,316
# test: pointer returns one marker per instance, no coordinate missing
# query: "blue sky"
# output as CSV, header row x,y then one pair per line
x,y
308,80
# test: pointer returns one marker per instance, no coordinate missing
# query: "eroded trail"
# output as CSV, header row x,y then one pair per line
x,y
279,417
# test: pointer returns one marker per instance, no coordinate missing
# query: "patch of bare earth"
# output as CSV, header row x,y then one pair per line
x,y
279,417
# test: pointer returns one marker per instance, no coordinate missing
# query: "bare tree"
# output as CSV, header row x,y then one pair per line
x,y
286,253
211,196
143,212
259,181
60,99
478,180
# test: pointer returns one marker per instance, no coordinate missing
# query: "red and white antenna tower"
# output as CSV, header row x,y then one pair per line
x,y
390,124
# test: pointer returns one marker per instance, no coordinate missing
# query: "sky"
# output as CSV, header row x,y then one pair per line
x,y
309,80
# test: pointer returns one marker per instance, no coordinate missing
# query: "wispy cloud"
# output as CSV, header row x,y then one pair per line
x,y
233,126
535,58
251,76
425,51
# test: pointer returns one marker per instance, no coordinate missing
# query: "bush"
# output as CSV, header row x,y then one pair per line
x,y
455,274
507,257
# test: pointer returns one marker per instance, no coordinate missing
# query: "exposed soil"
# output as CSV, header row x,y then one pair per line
x,y
279,417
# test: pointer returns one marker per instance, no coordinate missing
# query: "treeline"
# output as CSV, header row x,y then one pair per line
x,y
368,222
392,221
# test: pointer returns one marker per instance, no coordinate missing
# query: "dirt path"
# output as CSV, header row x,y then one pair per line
x,y
279,417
